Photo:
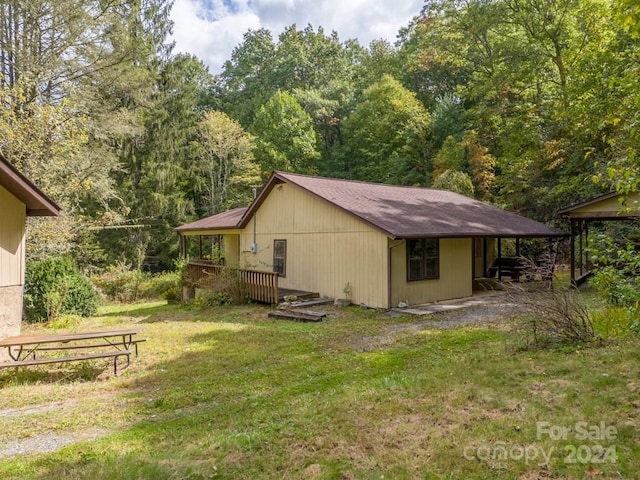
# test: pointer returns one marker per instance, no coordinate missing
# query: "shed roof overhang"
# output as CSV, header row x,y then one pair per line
x,y
610,206
225,223
37,203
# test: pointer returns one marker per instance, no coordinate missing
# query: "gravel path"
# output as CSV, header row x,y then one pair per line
x,y
491,310
46,442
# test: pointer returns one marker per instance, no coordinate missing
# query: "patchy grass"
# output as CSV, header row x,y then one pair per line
x,y
225,393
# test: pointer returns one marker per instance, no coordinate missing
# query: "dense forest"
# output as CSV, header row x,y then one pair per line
x,y
527,104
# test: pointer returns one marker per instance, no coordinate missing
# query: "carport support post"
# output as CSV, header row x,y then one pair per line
x,y
581,259
587,257
572,250
517,246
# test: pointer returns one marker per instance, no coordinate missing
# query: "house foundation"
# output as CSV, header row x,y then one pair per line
x,y
10,313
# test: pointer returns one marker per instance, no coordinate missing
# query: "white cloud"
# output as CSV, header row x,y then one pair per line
x,y
211,29
210,33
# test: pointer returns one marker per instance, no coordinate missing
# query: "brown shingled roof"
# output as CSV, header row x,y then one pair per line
x,y
37,203
220,221
410,212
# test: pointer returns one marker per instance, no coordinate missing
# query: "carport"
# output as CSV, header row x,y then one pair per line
x,y
609,207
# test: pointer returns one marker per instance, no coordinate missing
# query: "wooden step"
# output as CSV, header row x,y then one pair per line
x,y
297,315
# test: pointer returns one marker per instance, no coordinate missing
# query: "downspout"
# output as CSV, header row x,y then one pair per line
x,y
254,245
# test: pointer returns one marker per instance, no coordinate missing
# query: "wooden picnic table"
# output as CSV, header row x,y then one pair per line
x,y
25,350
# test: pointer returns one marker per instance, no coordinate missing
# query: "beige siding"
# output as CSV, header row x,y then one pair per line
x,y
231,248
12,225
609,206
326,248
455,274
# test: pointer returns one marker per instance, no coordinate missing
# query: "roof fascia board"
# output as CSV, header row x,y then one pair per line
x,y
29,190
586,203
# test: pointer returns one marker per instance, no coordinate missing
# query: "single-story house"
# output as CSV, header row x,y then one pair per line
x,y
19,199
386,244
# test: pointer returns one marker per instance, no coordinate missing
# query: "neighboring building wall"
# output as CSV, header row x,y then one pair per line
x,y
455,274
326,248
12,225
608,207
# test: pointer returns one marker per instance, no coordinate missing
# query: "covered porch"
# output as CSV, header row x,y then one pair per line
x,y
213,246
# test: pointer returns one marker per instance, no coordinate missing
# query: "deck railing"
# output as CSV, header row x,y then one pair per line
x,y
260,286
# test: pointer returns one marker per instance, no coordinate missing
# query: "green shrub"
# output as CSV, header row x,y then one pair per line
x,y
154,286
210,298
616,322
119,283
173,295
616,278
54,287
122,284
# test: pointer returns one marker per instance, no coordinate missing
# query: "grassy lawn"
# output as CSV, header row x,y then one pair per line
x,y
225,393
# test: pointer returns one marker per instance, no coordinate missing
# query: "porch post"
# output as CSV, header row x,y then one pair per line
x,y
484,256
199,247
499,259
572,249
581,250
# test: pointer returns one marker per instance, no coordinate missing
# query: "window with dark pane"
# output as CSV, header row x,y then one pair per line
x,y
280,257
423,259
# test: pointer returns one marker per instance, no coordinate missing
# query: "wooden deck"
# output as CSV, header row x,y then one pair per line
x,y
260,286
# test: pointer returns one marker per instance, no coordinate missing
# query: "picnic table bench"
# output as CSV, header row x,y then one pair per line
x,y
513,267
26,350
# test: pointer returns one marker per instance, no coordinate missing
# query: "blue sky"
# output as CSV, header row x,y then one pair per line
x,y
211,29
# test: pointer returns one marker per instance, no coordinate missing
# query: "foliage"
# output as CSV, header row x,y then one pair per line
x,y
227,285
385,136
54,287
299,60
227,165
618,269
286,139
122,284
522,71
159,184
551,317
173,295
454,181
451,156
210,298
616,322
